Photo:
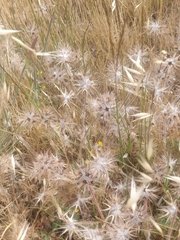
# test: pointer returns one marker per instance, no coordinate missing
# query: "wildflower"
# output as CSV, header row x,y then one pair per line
x,y
150,193
172,163
48,115
160,169
100,144
84,84
76,210
115,209
87,161
81,202
71,227
63,55
81,134
46,165
138,54
66,98
63,125
154,27
158,91
106,105
101,165
172,112
57,75
43,193
137,217
105,109
123,231
119,187
169,63
29,118
66,140
32,30
93,106
171,211
84,176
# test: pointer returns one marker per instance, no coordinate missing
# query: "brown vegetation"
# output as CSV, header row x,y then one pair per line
x,y
89,119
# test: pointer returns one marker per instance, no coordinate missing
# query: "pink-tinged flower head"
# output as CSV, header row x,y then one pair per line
x,y
155,27
71,227
123,231
67,97
101,165
46,165
64,55
85,84
116,209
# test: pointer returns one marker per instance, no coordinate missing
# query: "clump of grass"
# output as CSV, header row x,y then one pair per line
x,y
90,109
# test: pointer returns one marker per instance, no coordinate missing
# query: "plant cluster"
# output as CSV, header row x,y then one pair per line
x,y
90,120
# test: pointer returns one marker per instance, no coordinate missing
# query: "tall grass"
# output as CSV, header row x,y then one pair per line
x,y
90,119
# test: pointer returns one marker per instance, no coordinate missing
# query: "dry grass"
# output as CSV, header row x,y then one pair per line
x,y
90,119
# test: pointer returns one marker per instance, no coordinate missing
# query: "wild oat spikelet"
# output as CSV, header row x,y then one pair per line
x,y
23,45
141,116
8,31
146,165
149,152
134,195
156,226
